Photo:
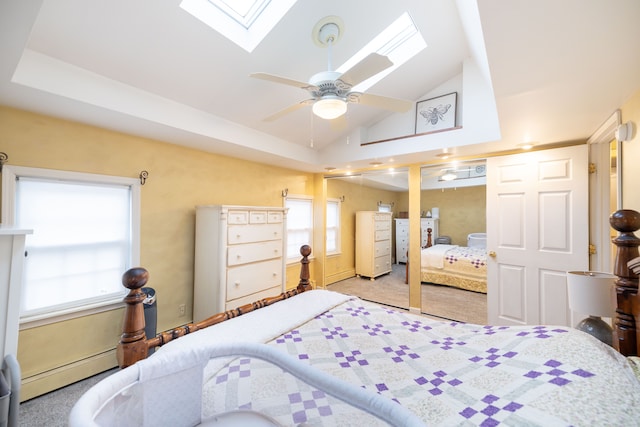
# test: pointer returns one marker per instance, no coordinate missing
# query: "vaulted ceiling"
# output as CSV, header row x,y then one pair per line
x,y
546,71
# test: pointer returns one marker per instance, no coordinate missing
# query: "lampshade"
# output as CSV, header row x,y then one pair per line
x,y
591,293
330,107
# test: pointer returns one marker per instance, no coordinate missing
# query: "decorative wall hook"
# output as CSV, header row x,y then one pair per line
x,y
3,159
143,177
285,192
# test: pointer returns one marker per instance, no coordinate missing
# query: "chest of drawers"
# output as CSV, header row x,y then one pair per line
x,y
373,243
239,256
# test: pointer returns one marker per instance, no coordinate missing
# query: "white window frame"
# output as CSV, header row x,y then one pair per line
x,y
338,229
385,207
295,258
10,174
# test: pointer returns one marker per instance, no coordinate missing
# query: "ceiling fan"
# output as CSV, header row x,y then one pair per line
x,y
331,90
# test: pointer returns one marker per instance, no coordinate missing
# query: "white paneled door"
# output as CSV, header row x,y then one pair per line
x,y
537,230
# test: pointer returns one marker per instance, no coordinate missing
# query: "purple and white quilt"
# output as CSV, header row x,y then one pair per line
x,y
446,373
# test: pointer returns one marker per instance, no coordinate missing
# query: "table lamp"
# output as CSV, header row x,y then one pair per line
x,y
593,293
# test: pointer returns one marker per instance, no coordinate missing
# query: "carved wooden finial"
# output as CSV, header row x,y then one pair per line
x,y
132,346
135,278
626,326
305,284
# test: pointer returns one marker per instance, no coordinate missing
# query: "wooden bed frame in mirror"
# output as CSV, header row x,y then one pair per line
x,y
134,346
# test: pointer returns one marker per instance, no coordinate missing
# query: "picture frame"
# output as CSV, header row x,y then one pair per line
x,y
437,113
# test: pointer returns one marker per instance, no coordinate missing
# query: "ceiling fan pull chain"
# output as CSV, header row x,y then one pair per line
x,y
329,65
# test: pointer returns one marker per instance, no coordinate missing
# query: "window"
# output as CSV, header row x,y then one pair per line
x,y
299,225
333,227
246,23
384,207
85,236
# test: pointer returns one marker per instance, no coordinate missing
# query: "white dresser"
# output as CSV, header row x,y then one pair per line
x,y
12,243
373,243
402,235
239,256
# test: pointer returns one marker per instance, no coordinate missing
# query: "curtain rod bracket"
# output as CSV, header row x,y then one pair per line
x,y
3,159
143,177
285,192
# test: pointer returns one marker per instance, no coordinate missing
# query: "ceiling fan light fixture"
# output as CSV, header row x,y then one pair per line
x,y
330,107
449,176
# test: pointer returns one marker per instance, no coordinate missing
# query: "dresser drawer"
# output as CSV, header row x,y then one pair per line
x,y
382,248
275,217
257,217
248,299
381,265
249,279
382,225
383,235
253,233
252,252
238,217
382,217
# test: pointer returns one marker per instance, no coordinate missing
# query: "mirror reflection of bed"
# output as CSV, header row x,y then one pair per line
x,y
454,279
453,269
461,204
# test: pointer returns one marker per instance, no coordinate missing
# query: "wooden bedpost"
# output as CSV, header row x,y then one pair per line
x,y
134,345
626,330
304,284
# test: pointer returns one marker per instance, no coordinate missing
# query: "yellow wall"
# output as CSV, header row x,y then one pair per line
x,y
462,211
179,179
631,155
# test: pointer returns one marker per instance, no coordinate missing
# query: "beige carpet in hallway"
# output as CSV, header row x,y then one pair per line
x,y
439,301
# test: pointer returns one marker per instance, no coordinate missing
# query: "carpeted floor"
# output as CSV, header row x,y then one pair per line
x,y
439,301
52,409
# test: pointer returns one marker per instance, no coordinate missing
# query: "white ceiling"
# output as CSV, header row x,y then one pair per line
x,y
546,71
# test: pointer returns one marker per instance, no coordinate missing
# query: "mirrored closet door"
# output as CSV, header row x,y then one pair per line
x,y
381,197
453,260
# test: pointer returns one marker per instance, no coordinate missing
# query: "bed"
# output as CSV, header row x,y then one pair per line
x,y
463,267
316,357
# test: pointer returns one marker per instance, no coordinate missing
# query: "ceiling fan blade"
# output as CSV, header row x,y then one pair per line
x,y
339,123
392,104
369,66
288,110
282,80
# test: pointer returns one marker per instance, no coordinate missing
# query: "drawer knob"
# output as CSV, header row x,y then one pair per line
x,y
237,284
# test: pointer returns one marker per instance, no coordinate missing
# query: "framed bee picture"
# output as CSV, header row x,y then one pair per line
x,y
436,113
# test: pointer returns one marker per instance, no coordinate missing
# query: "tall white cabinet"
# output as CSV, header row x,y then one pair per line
x,y
12,243
373,243
402,235
240,256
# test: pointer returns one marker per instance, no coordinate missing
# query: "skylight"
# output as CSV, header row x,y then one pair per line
x,y
244,22
400,42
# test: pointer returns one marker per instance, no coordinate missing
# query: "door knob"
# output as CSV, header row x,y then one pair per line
x,y
492,254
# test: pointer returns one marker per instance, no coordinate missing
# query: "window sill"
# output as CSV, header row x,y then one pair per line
x,y
34,321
